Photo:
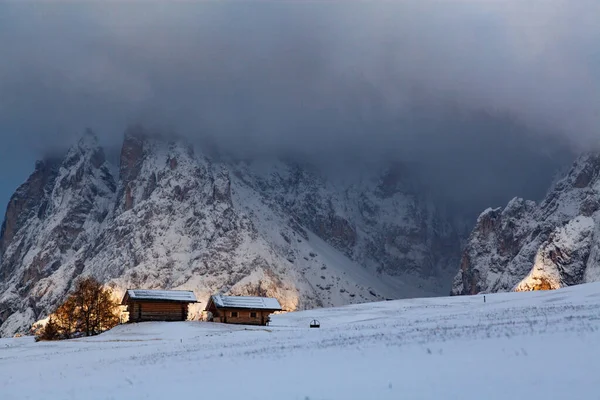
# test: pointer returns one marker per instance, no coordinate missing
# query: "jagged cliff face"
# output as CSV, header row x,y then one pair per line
x,y
530,247
174,219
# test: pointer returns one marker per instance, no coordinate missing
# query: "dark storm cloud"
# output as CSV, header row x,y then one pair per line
x,y
446,83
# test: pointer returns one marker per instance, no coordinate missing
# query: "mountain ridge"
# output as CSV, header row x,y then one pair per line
x,y
168,216
174,218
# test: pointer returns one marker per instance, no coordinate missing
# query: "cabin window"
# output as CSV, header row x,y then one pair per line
x,y
252,315
234,314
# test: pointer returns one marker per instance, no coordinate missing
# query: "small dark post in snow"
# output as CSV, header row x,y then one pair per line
x,y
484,298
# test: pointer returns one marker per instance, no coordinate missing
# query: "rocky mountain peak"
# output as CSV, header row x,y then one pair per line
x,y
88,140
586,171
526,246
51,217
150,162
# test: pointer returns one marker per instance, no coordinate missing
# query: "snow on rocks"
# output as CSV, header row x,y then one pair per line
x,y
561,260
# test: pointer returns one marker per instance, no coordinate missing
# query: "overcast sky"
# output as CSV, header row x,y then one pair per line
x,y
488,96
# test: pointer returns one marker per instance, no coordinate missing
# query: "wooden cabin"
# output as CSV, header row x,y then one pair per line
x,y
158,305
241,309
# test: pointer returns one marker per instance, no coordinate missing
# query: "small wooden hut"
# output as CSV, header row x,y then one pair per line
x,y
241,309
158,305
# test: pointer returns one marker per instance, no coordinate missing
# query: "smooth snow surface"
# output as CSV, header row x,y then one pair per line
x,y
532,345
258,303
168,295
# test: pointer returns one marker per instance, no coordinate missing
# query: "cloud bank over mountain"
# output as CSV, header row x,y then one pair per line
x,y
482,95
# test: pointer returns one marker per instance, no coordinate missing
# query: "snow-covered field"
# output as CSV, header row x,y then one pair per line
x,y
514,346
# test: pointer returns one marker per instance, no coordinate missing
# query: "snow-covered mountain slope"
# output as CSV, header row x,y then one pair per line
x,y
172,218
517,345
382,220
332,274
526,246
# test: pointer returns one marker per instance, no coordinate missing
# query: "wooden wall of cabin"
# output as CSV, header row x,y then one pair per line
x,y
243,316
157,311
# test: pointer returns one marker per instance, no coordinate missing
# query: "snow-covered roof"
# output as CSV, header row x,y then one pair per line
x,y
184,296
256,303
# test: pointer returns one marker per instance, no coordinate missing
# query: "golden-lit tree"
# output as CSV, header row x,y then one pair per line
x,y
89,310
66,318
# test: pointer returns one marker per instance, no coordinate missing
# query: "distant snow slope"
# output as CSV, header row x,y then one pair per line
x,y
526,246
536,345
174,219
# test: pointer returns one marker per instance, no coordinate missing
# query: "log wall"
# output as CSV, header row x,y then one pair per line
x,y
157,311
243,316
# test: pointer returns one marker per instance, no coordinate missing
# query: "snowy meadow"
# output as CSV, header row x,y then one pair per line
x,y
515,345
